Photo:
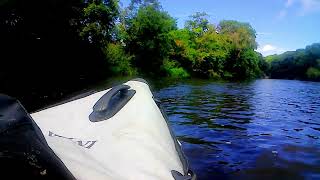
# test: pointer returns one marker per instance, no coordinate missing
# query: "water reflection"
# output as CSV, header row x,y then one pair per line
x,y
264,129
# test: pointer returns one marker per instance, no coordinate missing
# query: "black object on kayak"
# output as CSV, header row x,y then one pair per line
x,y
111,103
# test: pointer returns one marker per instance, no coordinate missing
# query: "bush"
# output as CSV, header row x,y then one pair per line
x,y
119,61
173,70
313,73
213,75
227,75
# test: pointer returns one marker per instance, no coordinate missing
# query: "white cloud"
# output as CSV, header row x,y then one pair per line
x,y
310,6
282,14
269,49
289,3
304,7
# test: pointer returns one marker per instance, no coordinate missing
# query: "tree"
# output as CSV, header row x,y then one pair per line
x,y
119,61
264,66
242,35
129,13
198,23
148,38
213,51
99,21
40,41
242,39
199,48
313,73
247,66
299,64
183,48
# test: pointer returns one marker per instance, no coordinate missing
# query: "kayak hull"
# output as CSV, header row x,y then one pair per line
x,y
135,143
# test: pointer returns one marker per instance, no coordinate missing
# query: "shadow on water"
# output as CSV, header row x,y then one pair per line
x,y
266,129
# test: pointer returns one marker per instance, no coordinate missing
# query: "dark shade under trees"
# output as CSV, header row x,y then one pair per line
x,y
42,52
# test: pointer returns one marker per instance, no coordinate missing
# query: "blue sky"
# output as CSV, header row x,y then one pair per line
x,y
281,25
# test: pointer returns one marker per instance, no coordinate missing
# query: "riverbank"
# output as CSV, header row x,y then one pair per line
x,y
34,101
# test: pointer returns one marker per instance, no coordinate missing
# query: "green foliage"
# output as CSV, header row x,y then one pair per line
x,y
149,38
99,21
264,66
299,64
119,61
198,23
241,35
247,65
42,39
271,58
101,38
212,51
173,70
128,14
243,61
183,48
224,52
313,73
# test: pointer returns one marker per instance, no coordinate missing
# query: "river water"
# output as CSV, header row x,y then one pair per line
x,y
266,129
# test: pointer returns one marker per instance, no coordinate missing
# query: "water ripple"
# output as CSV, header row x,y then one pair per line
x,y
267,129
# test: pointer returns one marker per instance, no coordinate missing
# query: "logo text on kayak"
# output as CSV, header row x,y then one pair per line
x,y
85,144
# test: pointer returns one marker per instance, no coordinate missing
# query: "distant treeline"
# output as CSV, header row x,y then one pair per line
x,y
303,64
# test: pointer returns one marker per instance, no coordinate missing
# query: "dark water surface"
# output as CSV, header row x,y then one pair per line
x,y
266,129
